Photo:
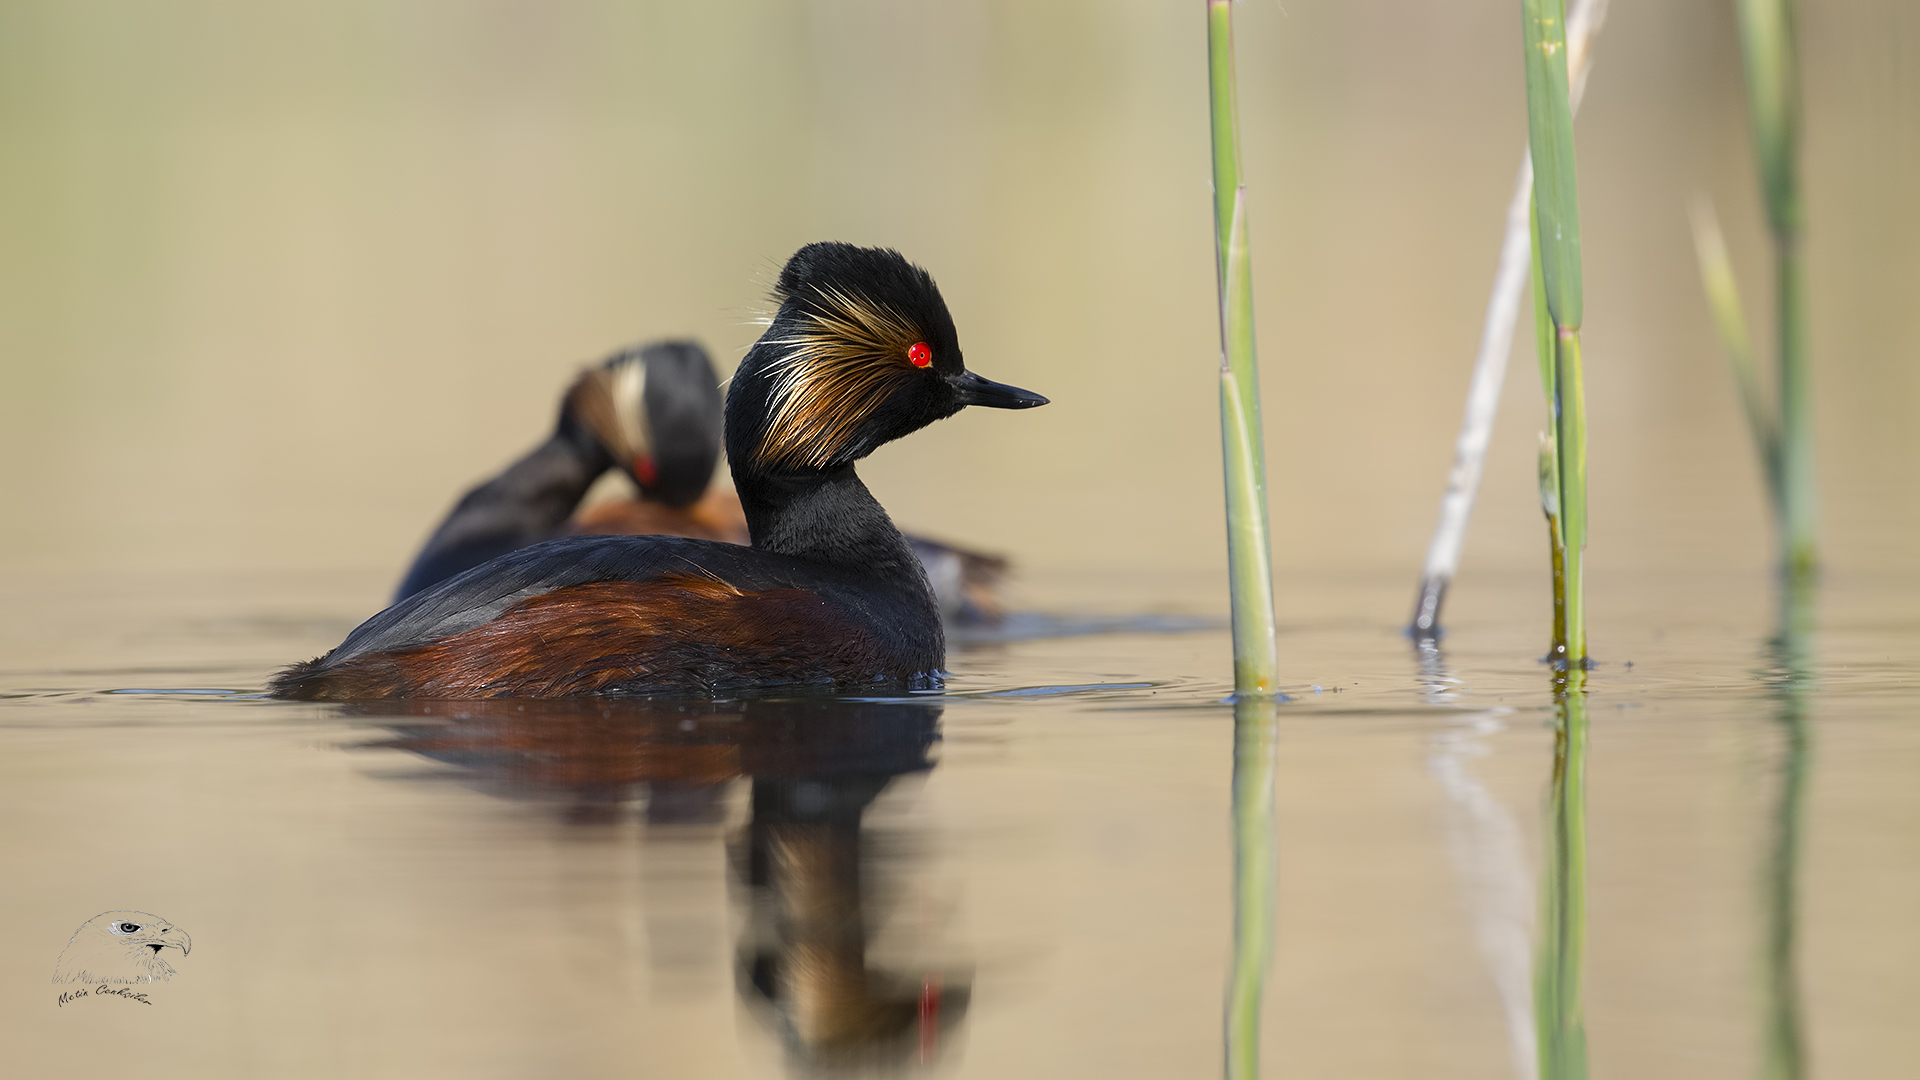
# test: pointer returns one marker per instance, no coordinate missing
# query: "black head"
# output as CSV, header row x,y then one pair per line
x,y
656,411
861,352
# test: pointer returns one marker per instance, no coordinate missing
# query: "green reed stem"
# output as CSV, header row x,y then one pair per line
x,y
1556,203
1558,1009
1543,331
1255,657
1570,443
1799,496
1544,338
1254,721
1730,321
1769,51
1550,502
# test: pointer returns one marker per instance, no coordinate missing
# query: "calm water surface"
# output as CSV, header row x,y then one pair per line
x,y
1028,875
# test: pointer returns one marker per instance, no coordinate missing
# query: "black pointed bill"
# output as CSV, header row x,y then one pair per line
x,y
975,390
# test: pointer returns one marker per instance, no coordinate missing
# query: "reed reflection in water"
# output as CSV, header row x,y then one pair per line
x,y
1255,719
802,860
1560,1022
1485,846
1559,1013
1792,684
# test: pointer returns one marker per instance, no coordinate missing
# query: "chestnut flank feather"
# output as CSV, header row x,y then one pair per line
x,y
680,632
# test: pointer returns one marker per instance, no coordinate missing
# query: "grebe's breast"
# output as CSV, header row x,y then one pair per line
x,y
632,614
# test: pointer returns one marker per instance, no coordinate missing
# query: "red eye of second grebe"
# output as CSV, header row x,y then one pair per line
x,y
919,354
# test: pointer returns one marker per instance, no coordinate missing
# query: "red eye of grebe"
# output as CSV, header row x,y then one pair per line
x,y
919,354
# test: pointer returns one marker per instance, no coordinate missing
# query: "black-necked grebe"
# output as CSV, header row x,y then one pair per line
x,y
861,352
653,412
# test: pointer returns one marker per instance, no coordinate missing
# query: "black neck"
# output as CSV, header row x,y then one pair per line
x,y
828,516
548,484
527,503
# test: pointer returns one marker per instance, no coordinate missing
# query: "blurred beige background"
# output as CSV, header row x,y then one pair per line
x,y
278,281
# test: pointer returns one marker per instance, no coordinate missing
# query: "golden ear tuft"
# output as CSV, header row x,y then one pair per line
x,y
609,400
841,362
